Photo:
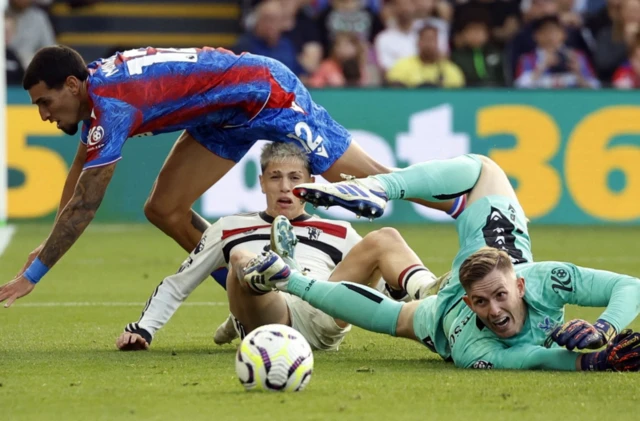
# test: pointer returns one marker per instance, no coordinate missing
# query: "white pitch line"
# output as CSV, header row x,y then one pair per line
x,y
115,304
5,237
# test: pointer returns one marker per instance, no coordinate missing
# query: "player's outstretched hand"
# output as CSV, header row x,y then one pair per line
x,y
131,342
581,334
30,259
622,354
17,288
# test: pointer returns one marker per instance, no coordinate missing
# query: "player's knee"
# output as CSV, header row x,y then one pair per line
x,y
160,215
487,163
379,240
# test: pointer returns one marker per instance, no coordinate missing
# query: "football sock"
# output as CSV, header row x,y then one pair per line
x,y
417,280
434,181
356,304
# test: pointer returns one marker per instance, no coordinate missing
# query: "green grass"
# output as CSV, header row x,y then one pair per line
x,y
60,362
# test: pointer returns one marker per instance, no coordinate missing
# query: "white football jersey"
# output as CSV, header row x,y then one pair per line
x,y
322,245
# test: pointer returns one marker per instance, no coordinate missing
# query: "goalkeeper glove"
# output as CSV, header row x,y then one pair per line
x,y
581,334
622,354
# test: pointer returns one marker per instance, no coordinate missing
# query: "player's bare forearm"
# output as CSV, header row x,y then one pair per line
x,y
72,177
77,214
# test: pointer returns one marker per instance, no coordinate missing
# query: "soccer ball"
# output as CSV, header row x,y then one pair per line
x,y
276,358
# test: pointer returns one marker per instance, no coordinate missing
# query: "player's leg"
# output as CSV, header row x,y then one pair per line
x,y
353,303
492,182
357,163
253,309
437,180
292,116
188,172
384,253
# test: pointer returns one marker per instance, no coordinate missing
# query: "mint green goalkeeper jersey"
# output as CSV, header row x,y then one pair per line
x,y
447,326
549,286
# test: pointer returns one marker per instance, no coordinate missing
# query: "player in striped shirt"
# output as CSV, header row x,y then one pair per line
x,y
230,242
222,102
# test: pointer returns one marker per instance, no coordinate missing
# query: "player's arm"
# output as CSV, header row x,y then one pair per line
x,y
75,217
523,357
174,289
622,354
620,294
71,223
67,192
72,177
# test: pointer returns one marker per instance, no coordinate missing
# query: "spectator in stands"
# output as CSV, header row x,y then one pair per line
x,y
428,68
346,65
15,71
348,16
614,41
553,64
627,76
320,6
597,20
438,13
267,37
533,11
399,40
481,63
33,29
505,21
300,27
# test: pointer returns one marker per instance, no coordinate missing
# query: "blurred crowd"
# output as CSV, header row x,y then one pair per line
x,y
450,43
414,43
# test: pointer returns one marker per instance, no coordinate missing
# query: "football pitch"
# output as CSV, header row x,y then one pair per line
x,y
58,360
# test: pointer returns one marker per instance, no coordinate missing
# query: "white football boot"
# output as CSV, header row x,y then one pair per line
x,y
266,272
362,196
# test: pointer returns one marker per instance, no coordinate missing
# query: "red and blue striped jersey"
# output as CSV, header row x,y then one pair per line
x,y
157,90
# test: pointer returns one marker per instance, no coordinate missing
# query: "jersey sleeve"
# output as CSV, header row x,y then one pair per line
x,y
174,289
566,283
108,130
494,354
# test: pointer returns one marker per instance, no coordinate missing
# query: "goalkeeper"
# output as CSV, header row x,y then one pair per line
x,y
499,309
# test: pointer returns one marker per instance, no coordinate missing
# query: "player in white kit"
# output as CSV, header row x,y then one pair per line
x,y
232,240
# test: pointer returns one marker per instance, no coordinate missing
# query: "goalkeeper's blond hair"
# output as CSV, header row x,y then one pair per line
x,y
481,263
281,152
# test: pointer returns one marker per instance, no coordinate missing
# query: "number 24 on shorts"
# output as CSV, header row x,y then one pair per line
x,y
305,137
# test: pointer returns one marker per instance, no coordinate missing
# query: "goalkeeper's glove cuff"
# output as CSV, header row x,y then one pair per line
x,y
606,329
594,361
135,328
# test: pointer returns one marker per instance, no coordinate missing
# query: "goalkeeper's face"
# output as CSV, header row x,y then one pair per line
x,y
277,182
498,301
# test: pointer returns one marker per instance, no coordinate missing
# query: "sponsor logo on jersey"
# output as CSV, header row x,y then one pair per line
x,y
96,135
458,330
